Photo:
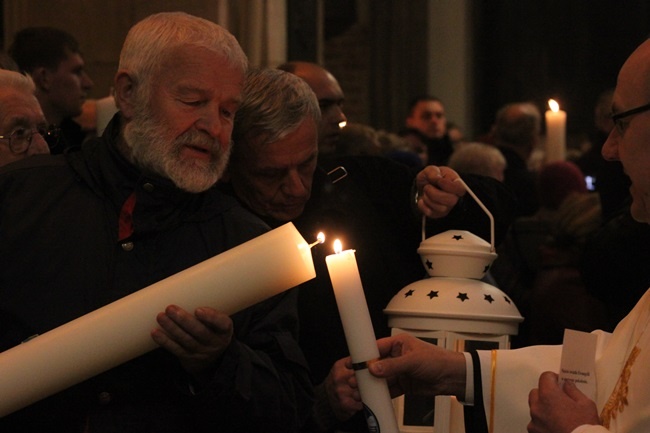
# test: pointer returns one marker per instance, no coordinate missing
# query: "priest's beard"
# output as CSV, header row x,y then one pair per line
x,y
153,149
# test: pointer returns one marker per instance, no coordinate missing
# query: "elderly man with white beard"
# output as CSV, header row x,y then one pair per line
x,y
81,230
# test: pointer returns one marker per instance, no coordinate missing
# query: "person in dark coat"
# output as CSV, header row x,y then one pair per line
x,y
367,202
81,230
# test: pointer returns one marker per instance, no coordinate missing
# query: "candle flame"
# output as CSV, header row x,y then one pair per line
x,y
553,105
320,238
342,124
338,247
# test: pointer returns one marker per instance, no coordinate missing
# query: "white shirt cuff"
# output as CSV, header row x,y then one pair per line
x,y
469,380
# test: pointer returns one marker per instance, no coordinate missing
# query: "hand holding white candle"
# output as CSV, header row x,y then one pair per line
x,y
360,337
555,147
98,341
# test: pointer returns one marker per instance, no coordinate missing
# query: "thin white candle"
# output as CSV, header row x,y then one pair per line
x,y
360,337
555,147
231,281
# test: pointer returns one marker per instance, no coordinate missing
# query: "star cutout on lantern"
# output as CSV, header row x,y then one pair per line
x,y
409,293
462,296
429,264
457,237
487,268
507,300
433,294
488,298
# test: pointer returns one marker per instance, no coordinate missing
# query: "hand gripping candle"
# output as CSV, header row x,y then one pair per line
x,y
361,340
120,331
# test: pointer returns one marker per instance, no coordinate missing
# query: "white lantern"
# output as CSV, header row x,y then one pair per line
x,y
453,309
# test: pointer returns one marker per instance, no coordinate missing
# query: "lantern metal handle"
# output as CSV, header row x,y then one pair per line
x,y
481,205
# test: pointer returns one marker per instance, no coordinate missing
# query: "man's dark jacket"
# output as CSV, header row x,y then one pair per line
x,y
61,258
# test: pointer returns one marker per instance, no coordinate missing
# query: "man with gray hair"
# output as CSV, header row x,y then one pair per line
x,y
23,129
275,171
273,163
130,209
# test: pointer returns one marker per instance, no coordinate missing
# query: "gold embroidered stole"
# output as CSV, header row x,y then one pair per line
x,y
618,398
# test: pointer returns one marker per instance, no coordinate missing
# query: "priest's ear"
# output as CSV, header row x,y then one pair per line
x,y
125,93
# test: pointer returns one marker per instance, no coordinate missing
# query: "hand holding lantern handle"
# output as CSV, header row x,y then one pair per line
x,y
481,205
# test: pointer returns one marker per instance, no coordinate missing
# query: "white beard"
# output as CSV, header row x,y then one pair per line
x,y
152,149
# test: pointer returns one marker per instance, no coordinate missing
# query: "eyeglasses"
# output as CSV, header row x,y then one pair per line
x,y
616,118
21,138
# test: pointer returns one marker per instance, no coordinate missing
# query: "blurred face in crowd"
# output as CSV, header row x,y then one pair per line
x,y
182,130
68,87
330,99
629,140
20,119
275,179
429,118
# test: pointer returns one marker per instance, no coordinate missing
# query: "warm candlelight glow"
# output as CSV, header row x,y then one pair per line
x,y
320,238
555,144
342,124
338,247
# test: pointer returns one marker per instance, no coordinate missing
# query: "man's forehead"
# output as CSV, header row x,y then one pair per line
x,y
425,110
633,83
72,59
324,85
430,106
198,69
16,100
288,150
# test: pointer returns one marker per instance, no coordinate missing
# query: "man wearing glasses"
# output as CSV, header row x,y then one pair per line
x,y
519,389
23,129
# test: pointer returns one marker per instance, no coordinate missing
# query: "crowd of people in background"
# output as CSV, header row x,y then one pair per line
x,y
200,159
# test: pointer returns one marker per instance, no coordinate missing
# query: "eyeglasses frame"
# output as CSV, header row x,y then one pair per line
x,y
616,117
43,132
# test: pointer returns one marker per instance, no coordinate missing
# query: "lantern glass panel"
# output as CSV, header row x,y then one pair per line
x,y
480,345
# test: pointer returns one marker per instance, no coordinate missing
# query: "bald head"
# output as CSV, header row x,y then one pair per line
x,y
518,126
629,140
330,99
633,84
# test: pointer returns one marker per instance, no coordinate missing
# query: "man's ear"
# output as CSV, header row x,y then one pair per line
x,y
42,78
125,94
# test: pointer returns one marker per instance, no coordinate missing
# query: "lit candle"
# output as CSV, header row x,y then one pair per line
x,y
231,281
555,132
360,338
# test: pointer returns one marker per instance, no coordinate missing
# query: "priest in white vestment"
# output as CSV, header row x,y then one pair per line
x,y
518,390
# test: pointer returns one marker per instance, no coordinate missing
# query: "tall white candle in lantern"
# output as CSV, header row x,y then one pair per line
x,y
360,336
555,147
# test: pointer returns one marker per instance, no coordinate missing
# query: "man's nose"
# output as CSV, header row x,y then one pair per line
x,y
211,123
610,147
39,145
294,185
339,116
86,82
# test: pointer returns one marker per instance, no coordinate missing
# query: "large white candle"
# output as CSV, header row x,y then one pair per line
x,y
360,338
231,281
555,147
